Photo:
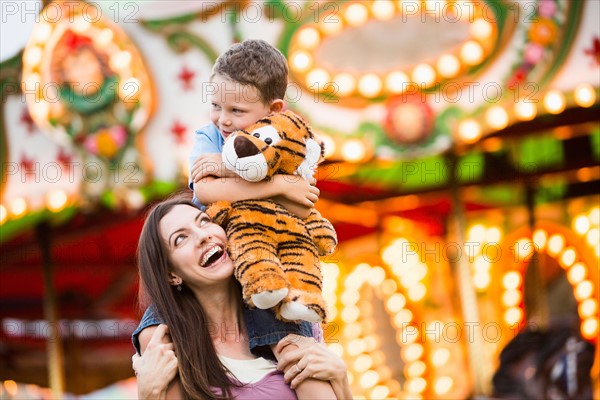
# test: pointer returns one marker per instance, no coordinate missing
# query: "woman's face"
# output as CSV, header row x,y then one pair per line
x,y
196,247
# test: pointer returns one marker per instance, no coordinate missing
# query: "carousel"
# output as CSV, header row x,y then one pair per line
x,y
462,176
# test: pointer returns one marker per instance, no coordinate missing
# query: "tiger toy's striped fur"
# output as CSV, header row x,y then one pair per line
x,y
276,254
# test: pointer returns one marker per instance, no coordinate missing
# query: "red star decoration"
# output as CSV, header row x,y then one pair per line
x,y
63,157
178,130
27,168
27,120
594,51
186,76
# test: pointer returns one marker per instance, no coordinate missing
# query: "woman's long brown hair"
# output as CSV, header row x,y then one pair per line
x,y
200,370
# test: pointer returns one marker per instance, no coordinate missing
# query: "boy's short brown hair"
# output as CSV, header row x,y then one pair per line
x,y
255,63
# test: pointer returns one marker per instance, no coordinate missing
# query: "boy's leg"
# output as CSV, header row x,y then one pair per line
x,y
265,331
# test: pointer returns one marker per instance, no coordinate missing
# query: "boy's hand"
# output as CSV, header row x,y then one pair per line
x,y
296,189
209,165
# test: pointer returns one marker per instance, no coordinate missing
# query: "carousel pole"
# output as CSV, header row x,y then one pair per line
x,y
535,299
468,297
54,351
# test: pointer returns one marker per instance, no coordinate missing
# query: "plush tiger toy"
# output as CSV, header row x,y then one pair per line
x,y
276,254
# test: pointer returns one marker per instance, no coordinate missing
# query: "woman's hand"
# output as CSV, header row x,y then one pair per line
x,y
312,360
156,367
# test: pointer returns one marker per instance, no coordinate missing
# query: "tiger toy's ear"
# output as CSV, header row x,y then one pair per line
x,y
311,160
219,213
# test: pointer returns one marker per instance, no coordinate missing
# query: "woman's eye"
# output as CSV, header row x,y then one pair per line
x,y
205,220
177,239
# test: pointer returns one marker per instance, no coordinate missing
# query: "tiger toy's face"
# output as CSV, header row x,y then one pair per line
x,y
280,143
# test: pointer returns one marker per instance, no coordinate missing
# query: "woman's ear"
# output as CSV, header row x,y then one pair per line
x,y
174,280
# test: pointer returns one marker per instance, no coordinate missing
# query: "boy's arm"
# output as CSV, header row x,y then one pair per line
x,y
293,189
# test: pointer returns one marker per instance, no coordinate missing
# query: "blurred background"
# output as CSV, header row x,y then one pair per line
x,y
462,177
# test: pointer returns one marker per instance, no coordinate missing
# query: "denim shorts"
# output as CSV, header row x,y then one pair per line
x,y
263,329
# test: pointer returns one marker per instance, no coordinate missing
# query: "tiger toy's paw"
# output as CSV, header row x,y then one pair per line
x,y
269,298
294,311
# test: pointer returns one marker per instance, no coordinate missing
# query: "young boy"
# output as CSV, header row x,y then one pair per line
x,y
249,82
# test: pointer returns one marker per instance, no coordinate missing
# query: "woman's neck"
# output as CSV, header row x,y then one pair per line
x,y
222,305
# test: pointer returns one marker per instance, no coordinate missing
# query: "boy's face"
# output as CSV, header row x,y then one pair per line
x,y
235,106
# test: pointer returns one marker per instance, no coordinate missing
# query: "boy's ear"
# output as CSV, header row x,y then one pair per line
x,y
277,105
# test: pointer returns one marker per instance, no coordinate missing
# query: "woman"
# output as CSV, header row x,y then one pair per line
x,y
186,273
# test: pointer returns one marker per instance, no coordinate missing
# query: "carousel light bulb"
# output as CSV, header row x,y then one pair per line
x,y
480,29
104,37
42,32
389,287
350,314
18,207
554,101
593,237
584,290
471,53
120,60
513,315
369,85
411,352
353,150
469,131
416,369
448,65
396,82
301,61
481,264
417,292
336,348
380,392
481,280
524,249
587,308
383,9
497,117
11,387
440,357
80,25
555,244
402,318
331,23
395,302
317,77
424,74
512,280
595,216
376,276
581,224
540,237
356,14
363,362
350,297
443,385
32,56
56,200
576,273
352,330
585,95
476,232
511,298
493,235
309,37
369,379
346,84
589,328
525,110
568,257
416,385
3,214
